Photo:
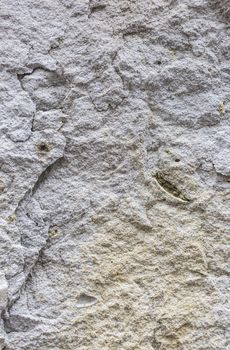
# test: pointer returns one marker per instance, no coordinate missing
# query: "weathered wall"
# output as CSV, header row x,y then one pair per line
x,y
114,174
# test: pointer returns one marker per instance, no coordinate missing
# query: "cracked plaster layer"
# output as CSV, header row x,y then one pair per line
x,y
114,175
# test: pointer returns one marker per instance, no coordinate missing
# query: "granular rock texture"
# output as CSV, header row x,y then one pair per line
x,y
114,174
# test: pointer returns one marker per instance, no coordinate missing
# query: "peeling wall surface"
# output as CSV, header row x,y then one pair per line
x,y
114,174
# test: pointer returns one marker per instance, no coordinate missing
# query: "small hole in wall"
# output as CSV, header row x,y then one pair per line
x,y
177,160
43,148
158,62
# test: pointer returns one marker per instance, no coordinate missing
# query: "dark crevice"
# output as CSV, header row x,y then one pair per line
x,y
30,192
41,178
6,313
170,188
38,67
96,9
45,174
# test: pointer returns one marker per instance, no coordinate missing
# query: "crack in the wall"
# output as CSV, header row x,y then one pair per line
x,y
43,176
169,188
30,193
12,302
35,186
20,76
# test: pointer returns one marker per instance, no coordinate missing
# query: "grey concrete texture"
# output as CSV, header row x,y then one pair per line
x,y
114,174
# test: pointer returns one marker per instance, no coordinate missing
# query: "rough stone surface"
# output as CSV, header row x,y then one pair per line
x,y
114,174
